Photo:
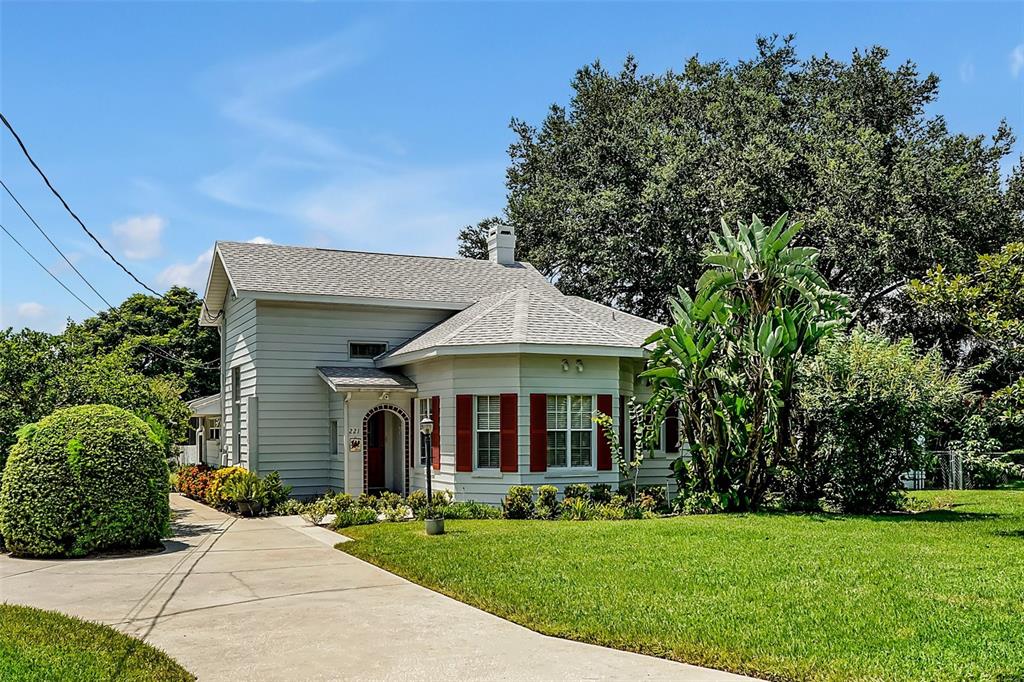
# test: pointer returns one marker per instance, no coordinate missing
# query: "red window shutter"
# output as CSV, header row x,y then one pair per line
x,y
463,433
509,417
604,450
435,437
538,432
672,428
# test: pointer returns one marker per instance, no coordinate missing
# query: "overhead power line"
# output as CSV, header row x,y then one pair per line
x,y
112,310
46,269
55,247
24,150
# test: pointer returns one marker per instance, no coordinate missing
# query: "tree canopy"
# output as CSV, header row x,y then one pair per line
x,y
615,195
147,356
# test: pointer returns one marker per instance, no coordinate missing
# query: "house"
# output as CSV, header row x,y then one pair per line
x,y
203,443
330,360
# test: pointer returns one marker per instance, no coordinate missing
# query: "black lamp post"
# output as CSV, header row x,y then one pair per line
x,y
427,428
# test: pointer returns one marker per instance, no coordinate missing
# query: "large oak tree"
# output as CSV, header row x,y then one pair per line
x,y
614,195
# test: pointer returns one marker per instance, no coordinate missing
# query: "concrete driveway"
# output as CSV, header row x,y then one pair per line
x,y
270,599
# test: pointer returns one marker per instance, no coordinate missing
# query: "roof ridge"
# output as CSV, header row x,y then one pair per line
x,y
615,311
613,332
456,259
501,298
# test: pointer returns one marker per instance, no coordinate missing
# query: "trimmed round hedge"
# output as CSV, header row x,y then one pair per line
x,y
84,479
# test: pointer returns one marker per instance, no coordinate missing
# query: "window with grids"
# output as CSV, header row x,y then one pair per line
x,y
366,349
488,431
424,408
570,430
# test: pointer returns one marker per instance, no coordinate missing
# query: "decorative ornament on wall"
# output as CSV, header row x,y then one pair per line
x,y
355,444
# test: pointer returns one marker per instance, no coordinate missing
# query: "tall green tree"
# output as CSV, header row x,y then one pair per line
x,y
614,196
161,337
729,359
984,313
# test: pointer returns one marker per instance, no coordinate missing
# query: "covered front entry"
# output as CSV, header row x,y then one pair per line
x,y
386,434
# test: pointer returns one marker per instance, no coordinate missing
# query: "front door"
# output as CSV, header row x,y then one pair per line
x,y
375,452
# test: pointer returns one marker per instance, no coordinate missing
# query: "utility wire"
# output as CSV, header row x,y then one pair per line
x,y
46,269
113,311
55,247
24,150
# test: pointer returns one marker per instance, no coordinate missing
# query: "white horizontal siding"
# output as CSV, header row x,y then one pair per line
x,y
296,405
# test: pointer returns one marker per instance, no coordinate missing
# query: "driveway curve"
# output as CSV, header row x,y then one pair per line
x,y
271,599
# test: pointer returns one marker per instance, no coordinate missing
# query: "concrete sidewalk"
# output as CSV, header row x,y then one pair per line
x,y
270,599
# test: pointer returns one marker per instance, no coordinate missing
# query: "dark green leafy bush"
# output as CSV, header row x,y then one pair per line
x,y
601,493
469,509
354,516
576,490
868,407
547,502
82,480
518,503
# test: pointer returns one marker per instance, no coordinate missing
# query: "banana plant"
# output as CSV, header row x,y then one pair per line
x,y
727,360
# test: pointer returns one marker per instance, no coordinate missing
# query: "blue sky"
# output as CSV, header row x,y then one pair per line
x,y
362,126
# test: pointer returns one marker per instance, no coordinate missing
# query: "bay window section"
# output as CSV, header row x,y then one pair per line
x,y
570,431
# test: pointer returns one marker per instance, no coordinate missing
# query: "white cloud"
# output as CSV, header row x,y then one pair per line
x,y
193,274
1017,60
30,310
139,236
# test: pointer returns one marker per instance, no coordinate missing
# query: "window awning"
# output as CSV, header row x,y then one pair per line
x,y
365,379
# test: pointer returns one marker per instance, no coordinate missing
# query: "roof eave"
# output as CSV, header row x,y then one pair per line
x,y
512,349
353,300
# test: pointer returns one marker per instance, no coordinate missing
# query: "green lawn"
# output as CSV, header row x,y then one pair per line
x,y
932,596
43,645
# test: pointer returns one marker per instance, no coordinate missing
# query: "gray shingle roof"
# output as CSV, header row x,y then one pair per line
x,y
364,377
530,316
300,270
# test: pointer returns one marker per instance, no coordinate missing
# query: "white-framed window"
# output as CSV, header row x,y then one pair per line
x,y
488,432
423,410
334,438
366,350
570,431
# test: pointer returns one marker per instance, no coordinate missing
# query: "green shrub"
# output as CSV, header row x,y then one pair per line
x,y
652,498
288,507
388,499
868,405
85,479
633,511
698,503
367,500
417,500
340,502
518,503
578,509
577,490
609,512
547,502
399,512
469,509
443,498
314,511
277,491
354,516
601,493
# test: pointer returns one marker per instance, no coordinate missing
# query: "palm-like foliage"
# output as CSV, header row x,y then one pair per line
x,y
728,359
